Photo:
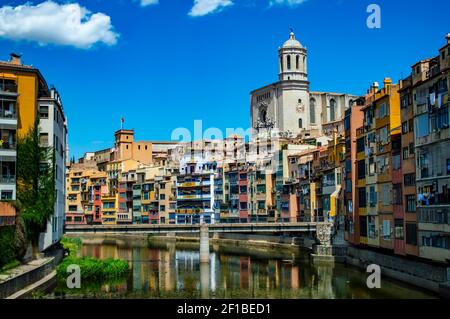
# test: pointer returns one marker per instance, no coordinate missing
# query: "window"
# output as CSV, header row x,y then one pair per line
x,y
372,196
162,208
332,109
372,227
7,195
383,135
362,196
108,205
405,153
312,111
409,179
398,232
261,204
360,144
386,229
405,128
386,194
300,124
289,62
448,166
72,208
422,126
382,111
297,62
243,205
397,194
363,226
411,234
243,189
396,162
372,166
162,197
43,111
410,203
361,169
43,139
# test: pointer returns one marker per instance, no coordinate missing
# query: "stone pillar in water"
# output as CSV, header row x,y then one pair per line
x,y
204,244
204,280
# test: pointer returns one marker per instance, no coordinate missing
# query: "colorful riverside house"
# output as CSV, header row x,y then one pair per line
x,y
243,184
109,209
91,192
408,167
432,141
233,193
195,193
365,175
332,178
149,203
74,208
353,120
387,119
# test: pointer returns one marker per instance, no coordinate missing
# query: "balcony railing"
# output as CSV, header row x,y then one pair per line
x,y
7,179
8,114
8,87
7,146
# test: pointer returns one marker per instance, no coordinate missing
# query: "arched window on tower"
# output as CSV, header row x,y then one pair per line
x,y
297,58
332,109
300,123
288,62
304,64
312,111
281,63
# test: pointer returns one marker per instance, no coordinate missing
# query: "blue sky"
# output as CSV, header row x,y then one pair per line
x,y
166,64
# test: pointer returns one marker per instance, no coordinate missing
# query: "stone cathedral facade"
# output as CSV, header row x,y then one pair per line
x,y
287,107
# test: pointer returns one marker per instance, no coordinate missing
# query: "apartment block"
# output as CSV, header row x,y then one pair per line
x,y
430,83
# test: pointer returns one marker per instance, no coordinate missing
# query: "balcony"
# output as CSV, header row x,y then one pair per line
x,y
7,179
8,87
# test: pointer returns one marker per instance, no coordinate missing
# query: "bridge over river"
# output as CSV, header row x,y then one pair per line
x,y
321,230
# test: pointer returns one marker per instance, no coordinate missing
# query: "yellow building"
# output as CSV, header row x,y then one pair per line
x,y
29,84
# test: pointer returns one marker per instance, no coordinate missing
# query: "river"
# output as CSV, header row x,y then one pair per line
x,y
169,270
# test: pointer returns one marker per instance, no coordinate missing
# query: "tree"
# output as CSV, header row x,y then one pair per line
x,y
35,184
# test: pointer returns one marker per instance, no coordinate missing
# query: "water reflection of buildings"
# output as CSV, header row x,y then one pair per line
x,y
161,272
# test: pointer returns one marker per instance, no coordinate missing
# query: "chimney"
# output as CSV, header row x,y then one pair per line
x,y
375,87
15,58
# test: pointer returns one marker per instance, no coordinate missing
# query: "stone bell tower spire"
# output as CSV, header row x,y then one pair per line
x,y
292,60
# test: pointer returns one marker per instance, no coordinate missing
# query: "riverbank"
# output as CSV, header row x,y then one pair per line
x,y
36,275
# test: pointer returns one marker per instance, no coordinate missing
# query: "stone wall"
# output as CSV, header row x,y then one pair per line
x,y
428,276
12,285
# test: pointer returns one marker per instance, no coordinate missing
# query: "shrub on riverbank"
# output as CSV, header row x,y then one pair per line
x,y
73,245
7,245
94,269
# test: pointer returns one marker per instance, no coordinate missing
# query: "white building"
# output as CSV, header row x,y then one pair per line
x,y
53,133
288,106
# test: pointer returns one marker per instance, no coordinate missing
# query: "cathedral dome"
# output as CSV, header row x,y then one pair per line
x,y
292,42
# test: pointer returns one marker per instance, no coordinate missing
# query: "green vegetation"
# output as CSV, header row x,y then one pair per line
x,y
35,184
7,246
94,269
73,245
91,268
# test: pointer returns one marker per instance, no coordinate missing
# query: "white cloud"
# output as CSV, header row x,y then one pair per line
x,y
53,23
290,3
145,3
204,7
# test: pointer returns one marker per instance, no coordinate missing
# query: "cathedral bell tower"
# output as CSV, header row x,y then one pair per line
x,y
292,60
